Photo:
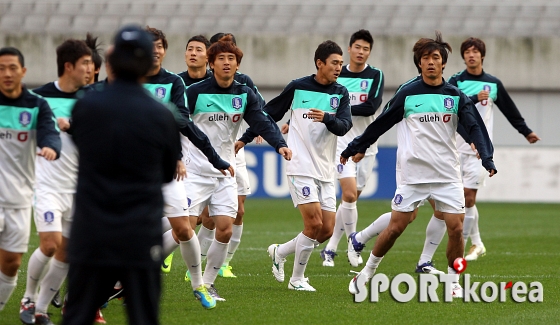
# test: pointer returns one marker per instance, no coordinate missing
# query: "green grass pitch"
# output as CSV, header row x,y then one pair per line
x,y
522,241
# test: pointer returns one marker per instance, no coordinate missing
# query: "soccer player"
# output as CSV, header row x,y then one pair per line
x,y
26,122
427,112
96,58
365,87
487,92
207,230
320,112
170,88
218,105
56,186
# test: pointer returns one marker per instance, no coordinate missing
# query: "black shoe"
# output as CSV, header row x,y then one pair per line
x,y
56,302
43,319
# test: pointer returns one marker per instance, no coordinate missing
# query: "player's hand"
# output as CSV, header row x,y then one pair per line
x,y
259,140
532,137
357,157
343,160
229,169
285,128
492,172
238,145
47,153
473,147
180,171
286,153
63,124
483,94
316,114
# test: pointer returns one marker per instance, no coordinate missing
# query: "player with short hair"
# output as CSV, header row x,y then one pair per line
x,y
207,230
26,122
320,112
427,112
96,58
487,92
170,88
365,87
218,106
56,186
196,60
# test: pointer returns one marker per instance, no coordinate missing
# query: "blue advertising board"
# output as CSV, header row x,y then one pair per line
x,y
267,174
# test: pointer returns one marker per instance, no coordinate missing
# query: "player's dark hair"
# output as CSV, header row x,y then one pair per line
x,y
218,36
158,35
124,67
224,45
427,46
362,34
13,51
324,50
477,43
199,38
95,53
70,51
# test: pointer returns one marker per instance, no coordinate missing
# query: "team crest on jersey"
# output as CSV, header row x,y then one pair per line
x,y
448,103
340,168
25,118
49,216
334,102
398,199
364,84
237,103
305,191
160,92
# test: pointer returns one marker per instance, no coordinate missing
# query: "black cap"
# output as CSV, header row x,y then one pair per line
x,y
134,42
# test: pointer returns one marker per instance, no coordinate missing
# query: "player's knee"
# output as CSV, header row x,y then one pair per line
x,y
49,248
455,230
223,236
11,265
395,230
240,213
183,233
470,201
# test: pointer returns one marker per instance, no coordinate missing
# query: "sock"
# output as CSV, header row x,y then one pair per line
x,y
50,284
287,248
169,243
374,229
7,286
205,238
190,250
304,248
451,271
35,268
349,216
332,245
234,242
468,224
371,265
434,234
216,257
475,233
165,224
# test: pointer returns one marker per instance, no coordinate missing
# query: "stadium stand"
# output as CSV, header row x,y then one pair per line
x,y
384,17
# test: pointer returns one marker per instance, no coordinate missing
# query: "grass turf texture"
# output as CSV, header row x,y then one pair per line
x,y
522,242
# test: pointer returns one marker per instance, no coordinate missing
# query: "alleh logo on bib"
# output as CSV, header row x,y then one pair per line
x,y
334,102
364,84
448,103
237,103
25,118
160,92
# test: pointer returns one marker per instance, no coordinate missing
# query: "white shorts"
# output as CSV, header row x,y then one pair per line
x,y
218,193
242,180
361,171
175,199
54,212
305,189
15,227
448,197
474,175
